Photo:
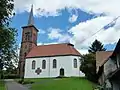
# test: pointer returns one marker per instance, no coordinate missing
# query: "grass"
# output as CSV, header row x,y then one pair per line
x,y
2,85
62,84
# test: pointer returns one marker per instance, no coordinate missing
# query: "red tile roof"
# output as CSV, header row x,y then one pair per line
x,y
53,50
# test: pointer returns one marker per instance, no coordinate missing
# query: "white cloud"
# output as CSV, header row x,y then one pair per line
x,y
54,33
50,7
73,18
65,38
84,31
40,43
41,31
82,51
47,43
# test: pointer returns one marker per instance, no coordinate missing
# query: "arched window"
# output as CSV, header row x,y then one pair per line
x,y
43,64
75,63
33,64
54,63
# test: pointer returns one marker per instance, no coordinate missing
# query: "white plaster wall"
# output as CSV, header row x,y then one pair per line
x,y
65,62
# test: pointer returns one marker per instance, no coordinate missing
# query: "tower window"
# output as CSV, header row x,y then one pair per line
x,y
27,36
34,37
33,64
25,55
75,63
54,63
30,46
43,64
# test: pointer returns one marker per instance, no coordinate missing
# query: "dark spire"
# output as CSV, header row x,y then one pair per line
x,y
31,18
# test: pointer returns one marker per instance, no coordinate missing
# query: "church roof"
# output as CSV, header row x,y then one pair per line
x,y
53,50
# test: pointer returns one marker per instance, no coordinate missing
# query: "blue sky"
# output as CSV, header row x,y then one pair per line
x,y
44,23
62,23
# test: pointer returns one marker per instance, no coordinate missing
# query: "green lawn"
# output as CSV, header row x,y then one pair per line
x,y
2,86
62,84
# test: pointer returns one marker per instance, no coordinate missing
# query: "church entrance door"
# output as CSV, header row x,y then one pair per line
x,y
61,72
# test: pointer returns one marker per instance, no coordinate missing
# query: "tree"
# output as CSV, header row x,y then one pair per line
x,y
7,35
88,64
6,10
88,61
96,46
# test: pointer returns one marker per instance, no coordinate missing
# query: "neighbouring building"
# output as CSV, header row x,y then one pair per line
x,y
101,58
110,73
46,60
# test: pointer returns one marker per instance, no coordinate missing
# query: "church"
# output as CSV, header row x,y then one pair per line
x,y
46,61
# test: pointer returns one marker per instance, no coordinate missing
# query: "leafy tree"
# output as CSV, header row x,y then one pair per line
x,y
88,61
88,64
7,35
96,46
6,10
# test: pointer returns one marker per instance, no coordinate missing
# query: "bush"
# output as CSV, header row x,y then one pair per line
x,y
11,76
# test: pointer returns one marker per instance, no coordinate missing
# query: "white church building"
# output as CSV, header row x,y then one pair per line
x,y
46,61
52,61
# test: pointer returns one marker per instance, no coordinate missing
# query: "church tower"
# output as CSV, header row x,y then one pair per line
x,y
29,40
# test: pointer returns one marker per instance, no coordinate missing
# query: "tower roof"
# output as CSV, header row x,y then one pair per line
x,y
31,18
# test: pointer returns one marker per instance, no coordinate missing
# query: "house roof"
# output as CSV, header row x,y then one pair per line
x,y
53,50
109,54
102,57
117,49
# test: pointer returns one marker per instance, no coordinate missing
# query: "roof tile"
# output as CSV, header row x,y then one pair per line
x,y
53,50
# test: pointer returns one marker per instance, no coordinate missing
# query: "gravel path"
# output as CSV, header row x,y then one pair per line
x,y
12,85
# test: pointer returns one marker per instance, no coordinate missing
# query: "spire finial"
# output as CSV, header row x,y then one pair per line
x,y
31,18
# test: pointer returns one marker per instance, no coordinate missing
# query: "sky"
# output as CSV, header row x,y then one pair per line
x,y
79,22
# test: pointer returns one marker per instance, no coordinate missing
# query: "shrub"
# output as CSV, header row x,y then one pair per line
x,y
11,76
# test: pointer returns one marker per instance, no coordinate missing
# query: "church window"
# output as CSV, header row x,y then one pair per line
x,y
33,64
43,64
75,63
54,63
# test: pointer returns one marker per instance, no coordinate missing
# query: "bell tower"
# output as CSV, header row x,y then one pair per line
x,y
29,40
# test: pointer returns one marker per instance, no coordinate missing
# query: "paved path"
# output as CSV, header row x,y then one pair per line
x,y
12,85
